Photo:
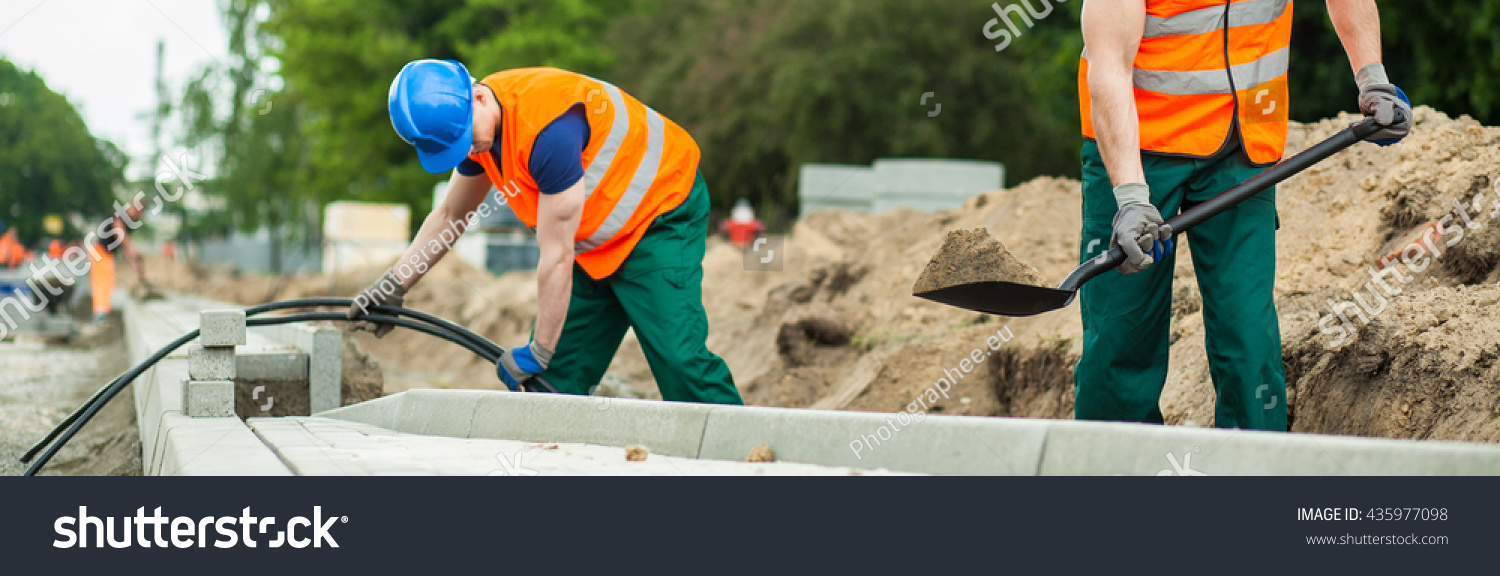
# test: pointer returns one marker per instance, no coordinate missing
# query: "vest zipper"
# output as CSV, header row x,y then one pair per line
x,y
1234,122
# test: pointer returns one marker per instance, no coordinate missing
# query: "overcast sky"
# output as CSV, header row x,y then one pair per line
x,y
101,55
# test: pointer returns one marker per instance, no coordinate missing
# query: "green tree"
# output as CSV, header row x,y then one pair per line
x,y
338,57
767,85
49,162
1443,54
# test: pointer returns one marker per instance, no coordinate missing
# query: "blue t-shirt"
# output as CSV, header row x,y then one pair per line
x,y
556,158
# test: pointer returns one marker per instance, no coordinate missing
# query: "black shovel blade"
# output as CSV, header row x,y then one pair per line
x,y
1001,298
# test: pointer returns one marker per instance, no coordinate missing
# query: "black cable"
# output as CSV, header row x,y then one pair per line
x,y
493,350
462,337
391,310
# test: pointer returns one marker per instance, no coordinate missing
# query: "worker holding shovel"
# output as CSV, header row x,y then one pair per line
x,y
620,211
1182,100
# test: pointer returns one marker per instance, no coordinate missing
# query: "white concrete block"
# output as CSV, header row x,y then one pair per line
x,y
211,363
221,328
210,399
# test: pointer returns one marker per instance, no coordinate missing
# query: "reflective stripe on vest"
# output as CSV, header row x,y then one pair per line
x,y
1264,69
640,181
1210,19
637,165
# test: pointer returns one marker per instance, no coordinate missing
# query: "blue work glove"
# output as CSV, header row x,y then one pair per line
x,y
1380,99
518,365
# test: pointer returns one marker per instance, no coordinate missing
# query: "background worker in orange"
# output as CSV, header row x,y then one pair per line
x,y
102,272
10,249
620,211
1182,100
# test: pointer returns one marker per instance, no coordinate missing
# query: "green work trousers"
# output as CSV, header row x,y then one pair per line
x,y
1126,319
658,291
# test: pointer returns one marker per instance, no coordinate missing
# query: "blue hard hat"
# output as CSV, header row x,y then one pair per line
x,y
432,108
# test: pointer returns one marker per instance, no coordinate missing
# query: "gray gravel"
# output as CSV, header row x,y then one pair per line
x,y
40,384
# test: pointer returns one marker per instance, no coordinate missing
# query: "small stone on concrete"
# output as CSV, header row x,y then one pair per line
x,y
636,453
761,453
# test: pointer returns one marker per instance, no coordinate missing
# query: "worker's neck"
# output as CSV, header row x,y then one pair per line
x,y
497,111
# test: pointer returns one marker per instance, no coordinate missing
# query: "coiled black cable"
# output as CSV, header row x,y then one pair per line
x,y
424,323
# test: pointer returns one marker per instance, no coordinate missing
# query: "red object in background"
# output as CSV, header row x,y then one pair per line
x,y
169,249
741,234
742,227
55,249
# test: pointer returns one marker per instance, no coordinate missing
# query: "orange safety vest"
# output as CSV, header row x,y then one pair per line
x,y
637,165
1205,68
9,249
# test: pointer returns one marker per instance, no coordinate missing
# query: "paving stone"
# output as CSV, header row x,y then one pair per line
x,y
211,363
221,328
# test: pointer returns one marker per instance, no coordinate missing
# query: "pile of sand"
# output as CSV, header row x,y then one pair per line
x,y
838,328
972,256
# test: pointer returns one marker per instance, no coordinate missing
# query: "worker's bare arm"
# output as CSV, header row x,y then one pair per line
x,y
465,193
1357,23
1112,31
556,226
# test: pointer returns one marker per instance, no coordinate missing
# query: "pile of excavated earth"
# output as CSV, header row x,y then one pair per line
x,y
1407,350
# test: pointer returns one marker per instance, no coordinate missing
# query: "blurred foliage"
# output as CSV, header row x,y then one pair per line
x,y
767,85
1443,54
338,57
763,85
49,163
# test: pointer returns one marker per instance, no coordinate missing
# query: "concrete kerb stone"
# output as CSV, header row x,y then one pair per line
x,y
439,412
208,398
937,445
211,363
1097,448
221,328
171,441
324,347
277,363
381,412
669,428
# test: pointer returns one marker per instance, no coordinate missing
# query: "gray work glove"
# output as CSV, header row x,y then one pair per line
x,y
1137,227
387,291
1382,100
518,365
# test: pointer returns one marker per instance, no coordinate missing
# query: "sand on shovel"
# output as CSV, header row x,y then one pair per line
x,y
969,256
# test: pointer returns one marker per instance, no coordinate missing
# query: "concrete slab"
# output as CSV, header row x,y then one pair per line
x,y
214,447
1098,448
936,445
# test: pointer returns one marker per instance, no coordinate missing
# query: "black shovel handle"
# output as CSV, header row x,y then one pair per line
x,y
1213,206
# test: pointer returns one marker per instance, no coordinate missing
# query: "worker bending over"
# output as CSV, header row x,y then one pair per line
x,y
620,211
